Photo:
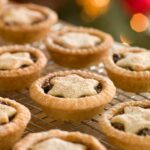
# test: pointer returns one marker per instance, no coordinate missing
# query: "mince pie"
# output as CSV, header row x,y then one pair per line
x,y
78,47
129,69
14,118
57,139
25,23
19,66
127,125
72,95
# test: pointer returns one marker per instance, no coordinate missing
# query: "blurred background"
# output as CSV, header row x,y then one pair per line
x,y
127,20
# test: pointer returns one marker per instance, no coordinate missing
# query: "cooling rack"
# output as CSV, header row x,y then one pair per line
x,y
41,122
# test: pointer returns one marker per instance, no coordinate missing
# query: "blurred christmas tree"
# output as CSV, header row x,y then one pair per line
x,y
118,20
127,20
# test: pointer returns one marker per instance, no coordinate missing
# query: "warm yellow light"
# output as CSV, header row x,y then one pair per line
x,y
100,3
124,40
93,8
139,22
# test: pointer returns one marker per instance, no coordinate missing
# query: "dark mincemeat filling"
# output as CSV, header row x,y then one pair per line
x,y
47,87
117,57
98,88
120,126
142,132
34,59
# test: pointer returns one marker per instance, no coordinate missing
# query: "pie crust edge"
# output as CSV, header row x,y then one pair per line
x,y
33,138
120,139
22,77
11,132
29,33
79,58
73,109
130,81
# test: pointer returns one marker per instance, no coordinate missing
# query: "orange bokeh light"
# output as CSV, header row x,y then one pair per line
x,y
139,22
93,8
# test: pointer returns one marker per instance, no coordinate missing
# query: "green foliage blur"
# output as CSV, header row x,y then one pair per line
x,y
116,22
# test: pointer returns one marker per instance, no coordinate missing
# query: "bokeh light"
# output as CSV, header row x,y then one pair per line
x,y
139,22
93,8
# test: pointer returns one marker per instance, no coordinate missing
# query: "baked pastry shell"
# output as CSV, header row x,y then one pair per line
x,y
28,33
79,58
73,109
131,81
122,140
76,137
17,79
11,132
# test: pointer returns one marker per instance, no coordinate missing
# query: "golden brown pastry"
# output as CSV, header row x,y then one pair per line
x,y
127,125
57,139
14,118
25,23
78,47
20,66
129,69
72,95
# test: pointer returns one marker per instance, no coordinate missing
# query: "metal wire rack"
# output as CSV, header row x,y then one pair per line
x,y
41,122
